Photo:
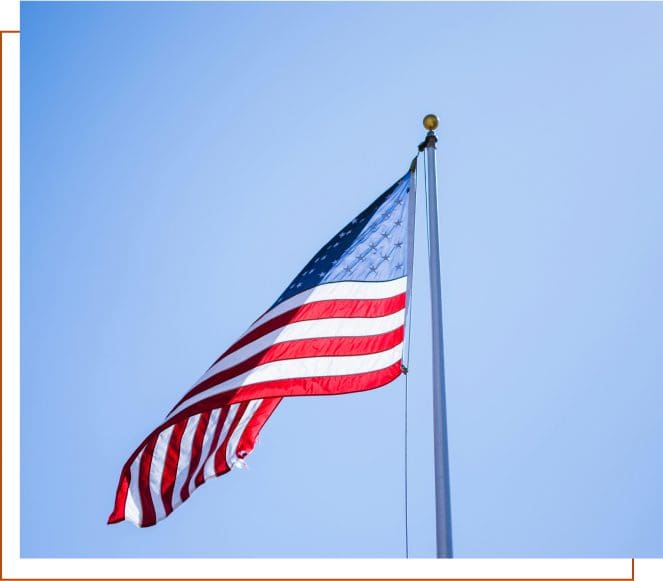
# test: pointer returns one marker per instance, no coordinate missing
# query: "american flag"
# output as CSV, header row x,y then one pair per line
x,y
337,328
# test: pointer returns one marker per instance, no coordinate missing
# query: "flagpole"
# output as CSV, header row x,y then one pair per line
x,y
441,451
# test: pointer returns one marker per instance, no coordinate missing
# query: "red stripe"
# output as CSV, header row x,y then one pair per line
x,y
120,498
170,466
148,516
200,477
220,464
255,424
326,385
319,347
332,309
196,448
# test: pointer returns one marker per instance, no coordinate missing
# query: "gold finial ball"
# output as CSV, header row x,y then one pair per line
x,y
431,122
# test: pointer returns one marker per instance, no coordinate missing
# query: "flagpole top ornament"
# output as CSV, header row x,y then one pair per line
x,y
431,122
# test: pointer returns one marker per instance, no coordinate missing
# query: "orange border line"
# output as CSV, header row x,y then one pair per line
x,y
1,294
632,578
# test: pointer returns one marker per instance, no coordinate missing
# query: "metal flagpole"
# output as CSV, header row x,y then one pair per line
x,y
441,451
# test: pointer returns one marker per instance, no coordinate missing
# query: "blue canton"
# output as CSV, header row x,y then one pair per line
x,y
373,247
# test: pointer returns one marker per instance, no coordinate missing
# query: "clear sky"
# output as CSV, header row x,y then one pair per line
x,y
182,162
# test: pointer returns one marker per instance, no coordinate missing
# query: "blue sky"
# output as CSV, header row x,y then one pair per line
x,y
182,162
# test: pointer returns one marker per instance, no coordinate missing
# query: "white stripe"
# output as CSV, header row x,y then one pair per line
x,y
209,465
335,291
231,450
185,456
207,442
156,471
133,510
304,367
320,328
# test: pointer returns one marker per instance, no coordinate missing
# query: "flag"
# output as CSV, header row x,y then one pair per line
x,y
337,328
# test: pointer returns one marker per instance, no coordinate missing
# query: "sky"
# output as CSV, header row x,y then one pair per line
x,y
182,162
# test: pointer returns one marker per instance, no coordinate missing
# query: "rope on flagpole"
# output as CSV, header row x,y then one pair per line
x,y
405,438
407,539
406,363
